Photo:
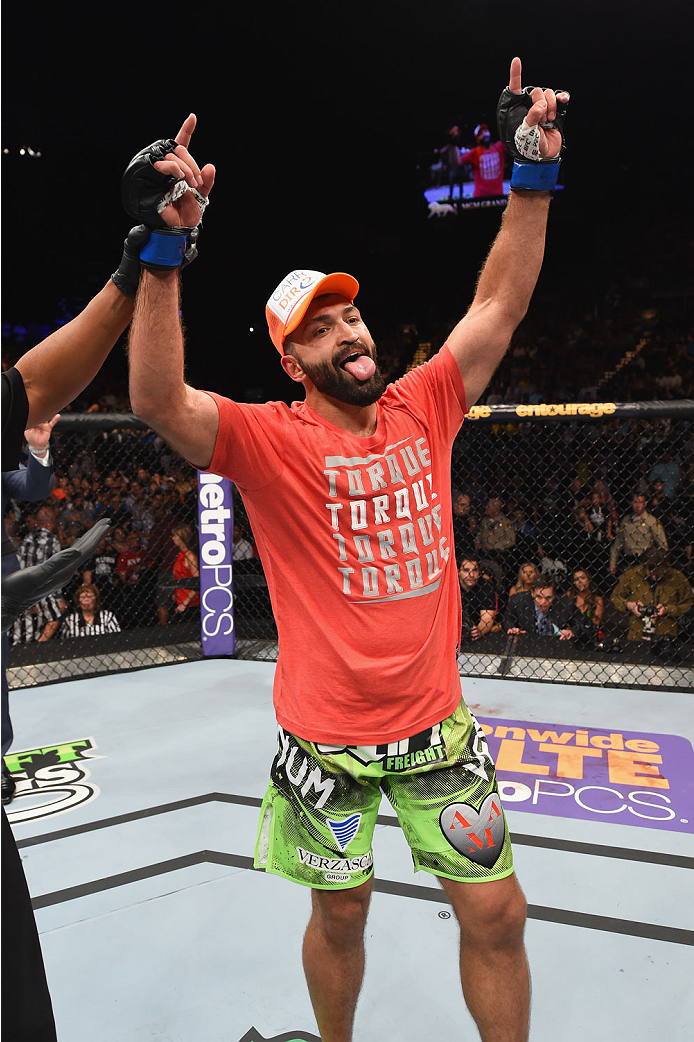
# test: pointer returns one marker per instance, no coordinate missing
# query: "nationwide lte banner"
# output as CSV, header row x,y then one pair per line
x,y
632,777
215,528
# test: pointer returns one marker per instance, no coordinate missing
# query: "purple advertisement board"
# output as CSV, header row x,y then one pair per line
x,y
631,777
215,529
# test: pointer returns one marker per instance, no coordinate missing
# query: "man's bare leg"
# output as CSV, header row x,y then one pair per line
x,y
493,964
333,956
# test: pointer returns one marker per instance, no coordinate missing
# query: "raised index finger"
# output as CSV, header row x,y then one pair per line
x,y
514,80
186,132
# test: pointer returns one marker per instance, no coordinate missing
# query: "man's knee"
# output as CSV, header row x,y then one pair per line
x,y
506,926
491,914
342,913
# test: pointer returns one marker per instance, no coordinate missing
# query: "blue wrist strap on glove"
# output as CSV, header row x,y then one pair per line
x,y
166,248
540,177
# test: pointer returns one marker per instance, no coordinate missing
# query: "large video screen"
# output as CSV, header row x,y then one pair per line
x,y
468,170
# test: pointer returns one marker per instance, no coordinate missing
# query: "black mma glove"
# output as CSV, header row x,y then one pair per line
x,y
28,586
530,169
143,187
145,193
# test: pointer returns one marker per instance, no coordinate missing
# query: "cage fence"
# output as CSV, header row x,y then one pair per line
x,y
582,510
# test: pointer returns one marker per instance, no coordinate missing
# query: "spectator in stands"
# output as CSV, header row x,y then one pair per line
x,y
479,601
588,542
653,584
606,502
77,512
527,575
88,619
463,531
526,533
658,503
496,537
575,494
668,469
119,541
184,567
161,552
602,516
130,560
102,567
115,508
142,518
542,612
586,598
639,531
59,492
40,622
243,549
134,497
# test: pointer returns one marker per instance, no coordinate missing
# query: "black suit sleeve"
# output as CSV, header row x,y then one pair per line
x,y
15,411
511,619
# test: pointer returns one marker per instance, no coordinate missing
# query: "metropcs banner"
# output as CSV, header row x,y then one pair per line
x,y
215,530
630,777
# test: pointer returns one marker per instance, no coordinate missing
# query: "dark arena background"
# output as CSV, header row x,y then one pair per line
x,y
333,132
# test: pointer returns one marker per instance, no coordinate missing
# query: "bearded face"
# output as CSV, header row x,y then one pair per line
x,y
331,379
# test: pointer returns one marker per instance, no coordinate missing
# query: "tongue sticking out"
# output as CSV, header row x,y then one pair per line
x,y
362,367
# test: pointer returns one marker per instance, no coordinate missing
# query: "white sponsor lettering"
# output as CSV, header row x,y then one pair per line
x,y
216,569
314,780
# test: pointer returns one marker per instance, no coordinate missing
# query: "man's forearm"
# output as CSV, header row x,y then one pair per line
x,y
61,366
504,288
512,268
156,348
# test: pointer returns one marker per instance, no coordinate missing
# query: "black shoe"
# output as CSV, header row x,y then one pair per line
x,y
8,787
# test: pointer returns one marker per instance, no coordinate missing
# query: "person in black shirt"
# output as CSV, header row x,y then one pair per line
x,y
478,598
465,525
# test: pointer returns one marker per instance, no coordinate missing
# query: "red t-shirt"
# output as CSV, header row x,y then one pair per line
x,y
181,570
488,164
356,538
128,565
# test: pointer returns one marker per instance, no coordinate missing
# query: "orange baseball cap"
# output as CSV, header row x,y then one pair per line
x,y
289,303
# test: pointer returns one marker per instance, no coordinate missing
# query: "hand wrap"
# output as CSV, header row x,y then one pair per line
x,y
530,169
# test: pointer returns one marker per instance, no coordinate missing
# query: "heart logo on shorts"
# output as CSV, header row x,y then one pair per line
x,y
478,835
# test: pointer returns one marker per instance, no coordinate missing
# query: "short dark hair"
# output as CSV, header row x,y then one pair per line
x,y
544,584
470,560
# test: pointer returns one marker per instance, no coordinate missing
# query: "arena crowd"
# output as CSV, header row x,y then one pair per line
x,y
566,529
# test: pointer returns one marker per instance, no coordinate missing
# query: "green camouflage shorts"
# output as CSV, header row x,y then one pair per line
x,y
319,812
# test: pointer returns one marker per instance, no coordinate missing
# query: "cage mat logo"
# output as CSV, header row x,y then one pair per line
x,y
51,780
287,1036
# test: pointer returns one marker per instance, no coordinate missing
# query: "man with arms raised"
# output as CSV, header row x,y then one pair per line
x,y
348,493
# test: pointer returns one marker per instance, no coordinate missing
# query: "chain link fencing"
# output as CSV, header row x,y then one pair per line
x,y
561,504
